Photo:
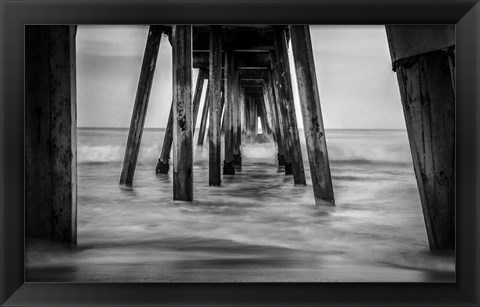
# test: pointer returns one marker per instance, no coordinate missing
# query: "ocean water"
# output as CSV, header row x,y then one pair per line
x,y
256,227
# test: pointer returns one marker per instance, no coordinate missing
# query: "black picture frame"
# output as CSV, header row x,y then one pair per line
x,y
14,14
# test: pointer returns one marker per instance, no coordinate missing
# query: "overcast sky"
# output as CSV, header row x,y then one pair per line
x,y
357,86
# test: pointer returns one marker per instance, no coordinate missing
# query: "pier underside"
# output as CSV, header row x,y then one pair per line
x,y
249,90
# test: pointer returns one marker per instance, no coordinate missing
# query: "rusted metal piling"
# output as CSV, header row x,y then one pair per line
x,y
182,113
312,114
421,57
140,107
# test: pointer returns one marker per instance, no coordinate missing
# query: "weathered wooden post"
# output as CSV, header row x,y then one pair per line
x,y
282,121
228,168
238,98
50,133
276,119
255,116
253,119
141,103
262,116
182,113
163,164
198,95
268,112
246,111
203,122
285,100
312,114
215,101
422,61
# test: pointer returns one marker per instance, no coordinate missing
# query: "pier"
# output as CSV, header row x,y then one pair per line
x,y
249,82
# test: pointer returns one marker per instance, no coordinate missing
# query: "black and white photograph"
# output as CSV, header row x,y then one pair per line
x,y
240,153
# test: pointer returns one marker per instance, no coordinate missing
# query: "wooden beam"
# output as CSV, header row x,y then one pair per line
x,y
254,83
243,60
140,107
285,98
312,114
182,113
236,38
428,99
215,101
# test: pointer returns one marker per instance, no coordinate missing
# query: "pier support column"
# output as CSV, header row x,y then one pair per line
x,y
50,133
198,95
285,99
229,114
275,119
203,121
182,113
267,113
422,61
163,162
238,98
140,107
261,115
246,111
283,122
312,114
253,119
215,101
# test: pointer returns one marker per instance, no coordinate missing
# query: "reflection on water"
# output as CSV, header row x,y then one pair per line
x,y
256,227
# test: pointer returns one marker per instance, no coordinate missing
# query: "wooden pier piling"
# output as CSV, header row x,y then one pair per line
x,y
140,107
312,114
50,133
420,56
198,96
182,113
215,101
203,121
237,137
283,122
285,99
275,118
253,130
228,168
163,164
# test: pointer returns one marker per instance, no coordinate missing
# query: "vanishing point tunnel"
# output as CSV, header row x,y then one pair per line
x,y
249,78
